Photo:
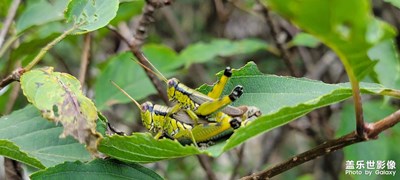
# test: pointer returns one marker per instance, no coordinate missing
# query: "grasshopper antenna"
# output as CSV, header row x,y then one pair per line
x,y
123,91
158,74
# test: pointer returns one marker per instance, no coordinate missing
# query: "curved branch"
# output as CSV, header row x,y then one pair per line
x,y
372,132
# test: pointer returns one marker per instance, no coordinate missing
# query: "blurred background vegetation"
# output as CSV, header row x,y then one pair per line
x,y
193,40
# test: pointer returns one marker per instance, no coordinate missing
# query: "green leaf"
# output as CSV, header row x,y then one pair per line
x,y
370,150
130,76
59,98
388,68
281,100
127,10
90,15
41,12
30,139
96,169
304,39
10,150
202,52
164,58
143,148
350,36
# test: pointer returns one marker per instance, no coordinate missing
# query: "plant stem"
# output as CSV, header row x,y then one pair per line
x,y
374,129
43,51
205,163
85,58
140,35
358,107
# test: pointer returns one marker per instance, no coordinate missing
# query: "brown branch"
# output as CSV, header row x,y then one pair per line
x,y
284,53
158,84
205,164
240,154
372,132
140,35
14,76
141,32
85,58
118,33
7,23
13,97
13,169
360,129
146,19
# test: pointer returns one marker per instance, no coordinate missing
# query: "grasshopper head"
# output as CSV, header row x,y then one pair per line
x,y
172,85
146,111
251,113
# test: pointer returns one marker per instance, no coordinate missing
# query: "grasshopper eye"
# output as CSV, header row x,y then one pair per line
x,y
173,82
147,106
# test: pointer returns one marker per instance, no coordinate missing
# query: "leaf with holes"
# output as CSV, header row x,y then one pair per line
x,y
59,98
90,15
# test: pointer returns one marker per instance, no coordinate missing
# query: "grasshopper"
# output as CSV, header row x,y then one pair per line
x,y
161,122
197,104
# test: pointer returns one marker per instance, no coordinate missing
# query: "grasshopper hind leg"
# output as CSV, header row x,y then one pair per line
x,y
210,107
220,85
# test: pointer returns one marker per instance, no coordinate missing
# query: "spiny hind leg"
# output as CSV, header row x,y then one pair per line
x,y
220,85
210,107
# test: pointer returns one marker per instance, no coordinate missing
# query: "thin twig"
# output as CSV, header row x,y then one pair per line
x,y
14,76
372,132
44,50
140,34
239,162
205,164
8,21
13,97
118,33
146,19
285,55
143,60
85,58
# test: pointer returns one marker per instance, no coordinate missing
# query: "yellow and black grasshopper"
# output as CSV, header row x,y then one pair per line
x,y
198,104
160,122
